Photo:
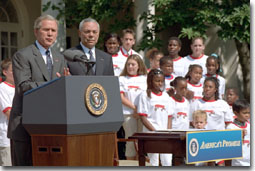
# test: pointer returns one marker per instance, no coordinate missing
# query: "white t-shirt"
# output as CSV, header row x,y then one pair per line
x,y
179,66
218,112
168,80
221,83
197,89
119,60
132,86
156,109
245,161
201,60
180,113
6,96
118,63
231,109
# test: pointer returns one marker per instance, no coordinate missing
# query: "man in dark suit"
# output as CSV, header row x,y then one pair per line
x,y
89,30
32,66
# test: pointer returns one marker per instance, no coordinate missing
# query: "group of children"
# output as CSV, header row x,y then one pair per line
x,y
176,93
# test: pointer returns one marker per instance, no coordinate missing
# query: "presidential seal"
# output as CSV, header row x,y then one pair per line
x,y
95,99
193,147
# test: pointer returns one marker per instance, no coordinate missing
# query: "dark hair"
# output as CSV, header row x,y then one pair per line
x,y
219,64
142,70
111,35
150,78
174,84
164,60
240,104
235,90
152,53
216,83
176,39
217,61
191,68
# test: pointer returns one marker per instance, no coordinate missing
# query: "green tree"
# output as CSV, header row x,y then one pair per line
x,y
113,15
194,18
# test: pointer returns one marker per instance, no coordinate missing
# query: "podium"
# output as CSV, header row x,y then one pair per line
x,y
65,129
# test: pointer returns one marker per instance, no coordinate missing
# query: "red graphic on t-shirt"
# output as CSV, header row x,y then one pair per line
x,y
161,107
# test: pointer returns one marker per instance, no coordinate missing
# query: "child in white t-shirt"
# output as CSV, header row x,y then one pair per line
x,y
218,112
199,120
231,96
212,65
153,108
166,65
111,46
179,105
197,56
128,41
195,86
7,90
174,47
132,82
241,109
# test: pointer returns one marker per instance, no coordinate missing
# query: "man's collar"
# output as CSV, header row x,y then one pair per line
x,y
41,48
85,49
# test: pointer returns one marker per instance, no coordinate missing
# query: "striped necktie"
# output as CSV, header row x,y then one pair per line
x,y
49,62
92,58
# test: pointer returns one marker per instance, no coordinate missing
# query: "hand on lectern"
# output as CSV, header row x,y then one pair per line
x,y
65,73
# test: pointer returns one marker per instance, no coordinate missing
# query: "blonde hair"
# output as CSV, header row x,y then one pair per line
x,y
128,31
196,38
199,114
5,64
142,70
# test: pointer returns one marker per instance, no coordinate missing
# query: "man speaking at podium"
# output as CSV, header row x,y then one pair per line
x,y
32,66
100,63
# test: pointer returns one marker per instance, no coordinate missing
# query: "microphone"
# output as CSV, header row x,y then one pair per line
x,y
76,56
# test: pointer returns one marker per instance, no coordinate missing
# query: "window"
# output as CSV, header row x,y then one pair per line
x,y
9,29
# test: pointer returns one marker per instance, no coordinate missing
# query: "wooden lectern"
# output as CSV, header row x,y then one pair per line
x,y
65,130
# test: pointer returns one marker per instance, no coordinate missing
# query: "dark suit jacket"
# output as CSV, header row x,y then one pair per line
x,y
104,64
29,71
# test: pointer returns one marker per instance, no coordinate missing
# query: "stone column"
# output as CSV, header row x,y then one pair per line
x,y
142,6
61,39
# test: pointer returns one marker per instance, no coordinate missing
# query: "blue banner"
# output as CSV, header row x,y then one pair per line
x,y
205,146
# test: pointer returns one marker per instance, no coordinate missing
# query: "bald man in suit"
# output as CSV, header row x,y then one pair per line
x,y
33,66
89,30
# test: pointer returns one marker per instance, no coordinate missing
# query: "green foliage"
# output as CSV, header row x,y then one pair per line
x,y
196,16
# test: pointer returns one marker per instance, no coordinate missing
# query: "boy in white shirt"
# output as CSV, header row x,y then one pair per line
x,y
241,109
7,90
127,40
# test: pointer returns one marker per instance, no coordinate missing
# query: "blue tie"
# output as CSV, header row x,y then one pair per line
x,y
49,62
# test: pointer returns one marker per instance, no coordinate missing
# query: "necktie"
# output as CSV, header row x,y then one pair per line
x,y
92,58
49,62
